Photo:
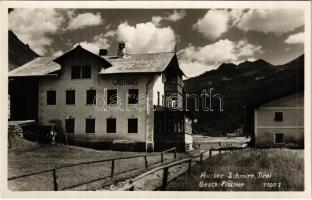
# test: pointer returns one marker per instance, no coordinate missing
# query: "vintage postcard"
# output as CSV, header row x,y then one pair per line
x,y
156,99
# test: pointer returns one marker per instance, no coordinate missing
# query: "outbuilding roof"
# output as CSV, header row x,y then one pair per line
x,y
40,66
138,63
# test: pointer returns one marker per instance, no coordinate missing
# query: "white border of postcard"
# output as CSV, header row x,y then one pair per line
x,y
305,5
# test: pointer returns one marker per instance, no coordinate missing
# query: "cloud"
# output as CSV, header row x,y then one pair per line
x,y
173,17
156,20
297,38
33,26
271,20
110,34
90,46
98,42
176,15
57,53
146,38
216,22
102,41
195,68
213,24
83,20
197,60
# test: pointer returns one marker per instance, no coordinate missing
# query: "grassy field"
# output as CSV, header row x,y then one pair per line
x,y
27,157
280,170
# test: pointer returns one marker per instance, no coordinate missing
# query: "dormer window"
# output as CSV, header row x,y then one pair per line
x,y
81,72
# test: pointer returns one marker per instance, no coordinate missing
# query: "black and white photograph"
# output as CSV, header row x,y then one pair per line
x,y
208,99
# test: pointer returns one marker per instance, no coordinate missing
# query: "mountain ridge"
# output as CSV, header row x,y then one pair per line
x,y
242,85
19,52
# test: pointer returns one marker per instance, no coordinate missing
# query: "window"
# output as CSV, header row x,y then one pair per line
x,y
132,125
70,97
70,125
133,96
79,72
90,125
279,138
173,103
51,97
86,71
91,96
279,116
111,96
75,72
111,125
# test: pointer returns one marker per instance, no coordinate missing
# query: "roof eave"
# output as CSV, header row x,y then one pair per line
x,y
33,75
129,73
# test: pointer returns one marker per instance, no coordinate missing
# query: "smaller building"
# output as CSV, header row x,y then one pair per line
x,y
280,122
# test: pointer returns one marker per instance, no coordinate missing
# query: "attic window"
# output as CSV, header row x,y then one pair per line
x,y
86,72
81,72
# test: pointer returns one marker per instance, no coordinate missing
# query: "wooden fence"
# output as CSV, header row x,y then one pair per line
x,y
165,168
112,160
224,149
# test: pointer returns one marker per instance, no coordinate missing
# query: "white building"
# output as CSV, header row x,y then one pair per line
x,y
101,98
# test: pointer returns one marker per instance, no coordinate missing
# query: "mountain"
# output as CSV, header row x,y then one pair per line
x,y
19,53
241,86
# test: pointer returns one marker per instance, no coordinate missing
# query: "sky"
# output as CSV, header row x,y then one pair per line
x,y
202,38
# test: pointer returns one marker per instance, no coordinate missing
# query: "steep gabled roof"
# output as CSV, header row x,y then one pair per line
x,y
139,63
40,66
77,51
132,63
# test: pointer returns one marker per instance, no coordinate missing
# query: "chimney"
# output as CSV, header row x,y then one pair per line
x,y
121,50
103,52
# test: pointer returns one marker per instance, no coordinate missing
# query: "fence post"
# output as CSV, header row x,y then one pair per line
x,y
175,153
189,165
132,185
210,153
165,179
201,157
198,146
54,180
113,166
162,157
10,143
145,159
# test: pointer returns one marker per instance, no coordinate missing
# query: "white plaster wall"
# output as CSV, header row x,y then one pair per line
x,y
159,86
80,111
